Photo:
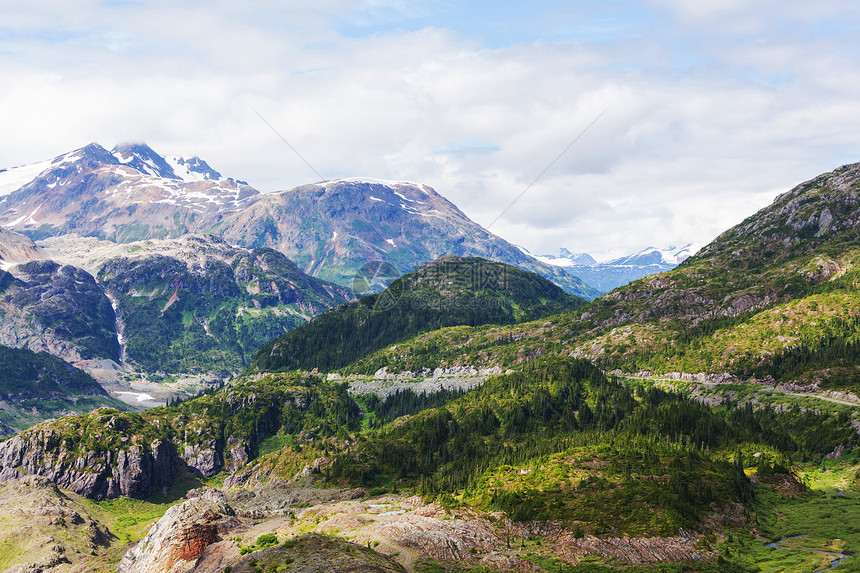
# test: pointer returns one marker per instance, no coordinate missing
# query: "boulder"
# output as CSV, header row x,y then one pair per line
x,y
181,536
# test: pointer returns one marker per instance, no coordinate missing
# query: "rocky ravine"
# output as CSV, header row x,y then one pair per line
x,y
104,306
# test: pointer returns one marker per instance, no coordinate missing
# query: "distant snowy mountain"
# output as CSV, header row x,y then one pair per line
x,y
609,275
673,256
567,259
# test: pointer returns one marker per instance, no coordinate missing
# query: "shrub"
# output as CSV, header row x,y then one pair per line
x,y
267,540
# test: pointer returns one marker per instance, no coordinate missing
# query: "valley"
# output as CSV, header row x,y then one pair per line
x,y
463,532
478,413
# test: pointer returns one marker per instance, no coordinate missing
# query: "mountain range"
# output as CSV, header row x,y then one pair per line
x,y
773,296
469,416
124,284
330,229
611,274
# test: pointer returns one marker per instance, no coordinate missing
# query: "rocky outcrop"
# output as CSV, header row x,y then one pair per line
x,y
181,536
238,453
137,471
700,377
384,383
203,458
637,550
792,387
838,452
17,248
312,553
445,539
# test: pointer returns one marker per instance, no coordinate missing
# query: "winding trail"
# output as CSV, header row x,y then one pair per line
x,y
405,557
768,389
825,398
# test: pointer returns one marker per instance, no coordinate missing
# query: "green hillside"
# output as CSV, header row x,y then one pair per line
x,y
35,386
776,295
555,442
450,291
179,317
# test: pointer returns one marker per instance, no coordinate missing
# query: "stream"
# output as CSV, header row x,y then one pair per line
x,y
835,557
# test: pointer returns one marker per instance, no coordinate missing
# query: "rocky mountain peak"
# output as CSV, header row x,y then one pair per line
x,y
823,209
333,229
198,166
142,157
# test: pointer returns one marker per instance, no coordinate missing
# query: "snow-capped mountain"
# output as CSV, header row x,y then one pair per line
x,y
567,259
14,178
608,275
122,195
670,256
142,157
331,229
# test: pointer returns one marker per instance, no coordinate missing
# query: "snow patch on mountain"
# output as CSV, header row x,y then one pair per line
x,y
194,169
14,178
373,181
608,275
556,261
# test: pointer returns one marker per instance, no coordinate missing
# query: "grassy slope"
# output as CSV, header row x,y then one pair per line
x,y
741,347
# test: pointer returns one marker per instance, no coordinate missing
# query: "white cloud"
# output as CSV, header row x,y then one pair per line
x,y
710,109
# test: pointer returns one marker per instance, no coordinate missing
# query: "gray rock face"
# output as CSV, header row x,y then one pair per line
x,y
134,472
57,309
239,453
202,458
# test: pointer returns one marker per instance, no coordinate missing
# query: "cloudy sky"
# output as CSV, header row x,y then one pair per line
x,y
709,108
